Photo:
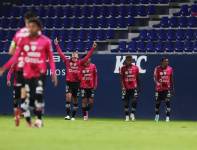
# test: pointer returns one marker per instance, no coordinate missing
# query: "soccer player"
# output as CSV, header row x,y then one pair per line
x,y
36,50
130,87
72,78
19,92
88,85
164,86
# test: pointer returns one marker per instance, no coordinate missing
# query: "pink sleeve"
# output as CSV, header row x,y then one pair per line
x,y
9,75
95,78
85,59
59,50
50,57
13,59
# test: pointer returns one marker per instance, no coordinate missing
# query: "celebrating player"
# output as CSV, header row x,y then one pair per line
x,y
130,87
72,78
88,85
164,86
36,50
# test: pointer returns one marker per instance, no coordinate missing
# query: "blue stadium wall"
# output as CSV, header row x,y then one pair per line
x,y
108,95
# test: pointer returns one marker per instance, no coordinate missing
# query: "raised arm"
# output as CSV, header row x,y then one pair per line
x,y
89,54
59,50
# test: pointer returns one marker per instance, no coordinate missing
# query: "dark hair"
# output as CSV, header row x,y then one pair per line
x,y
163,58
28,15
36,21
128,57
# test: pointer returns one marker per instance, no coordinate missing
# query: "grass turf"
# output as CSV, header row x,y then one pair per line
x,y
98,134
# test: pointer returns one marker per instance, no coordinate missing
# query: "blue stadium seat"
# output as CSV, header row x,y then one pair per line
x,y
169,47
188,46
189,34
180,35
66,22
150,47
183,22
133,11
122,46
179,46
159,47
132,46
171,36
162,35
152,35
142,10
110,34
151,10
192,22
70,46
82,35
79,46
102,22
91,35
94,23
184,11
122,22
173,22
101,35
143,35
112,23
140,46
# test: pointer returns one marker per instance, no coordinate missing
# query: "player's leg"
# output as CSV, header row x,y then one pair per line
x,y
84,103
125,98
158,98
25,105
39,101
68,101
75,95
16,101
133,103
91,100
168,108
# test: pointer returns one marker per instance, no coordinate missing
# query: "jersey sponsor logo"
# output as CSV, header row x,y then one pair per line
x,y
138,61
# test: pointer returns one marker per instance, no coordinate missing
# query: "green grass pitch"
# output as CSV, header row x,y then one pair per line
x,y
99,134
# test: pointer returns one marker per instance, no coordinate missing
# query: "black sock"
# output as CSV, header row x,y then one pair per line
x,y
84,109
126,110
157,106
75,108
28,119
89,107
168,109
38,114
68,108
134,106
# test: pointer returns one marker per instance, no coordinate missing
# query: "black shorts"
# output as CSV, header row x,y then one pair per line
x,y
16,92
129,94
73,88
87,93
32,87
163,95
20,81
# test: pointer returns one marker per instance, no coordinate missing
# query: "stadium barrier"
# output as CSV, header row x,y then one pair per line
x,y
108,101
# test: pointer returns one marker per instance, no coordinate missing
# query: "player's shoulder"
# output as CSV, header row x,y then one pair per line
x,y
45,38
157,67
93,65
135,67
170,68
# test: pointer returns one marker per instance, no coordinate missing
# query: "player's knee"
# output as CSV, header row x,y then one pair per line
x,y
39,105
